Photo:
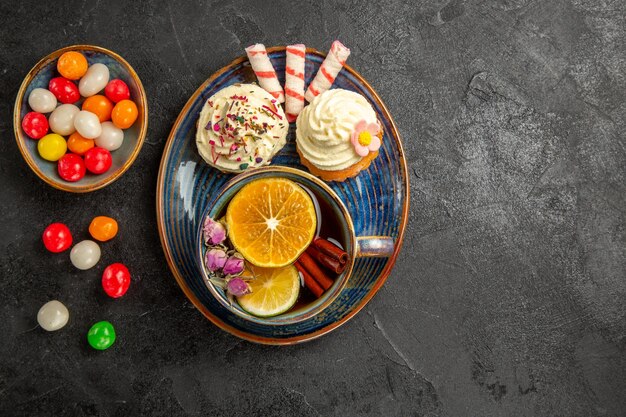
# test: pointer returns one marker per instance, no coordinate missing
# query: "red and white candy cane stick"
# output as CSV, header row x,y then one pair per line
x,y
328,71
264,71
294,81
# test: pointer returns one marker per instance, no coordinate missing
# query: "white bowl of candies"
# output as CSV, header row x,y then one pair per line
x,y
80,118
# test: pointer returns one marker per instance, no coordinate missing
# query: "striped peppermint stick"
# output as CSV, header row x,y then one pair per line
x,y
328,71
294,81
264,71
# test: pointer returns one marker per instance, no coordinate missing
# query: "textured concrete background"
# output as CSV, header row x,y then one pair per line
x,y
509,298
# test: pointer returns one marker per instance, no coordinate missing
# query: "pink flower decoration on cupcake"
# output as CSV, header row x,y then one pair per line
x,y
364,138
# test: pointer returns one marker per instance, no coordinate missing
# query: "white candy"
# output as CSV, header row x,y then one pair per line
x,y
53,315
111,137
85,254
87,124
42,100
61,120
94,80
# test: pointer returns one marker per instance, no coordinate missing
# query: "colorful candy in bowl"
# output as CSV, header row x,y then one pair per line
x,y
80,118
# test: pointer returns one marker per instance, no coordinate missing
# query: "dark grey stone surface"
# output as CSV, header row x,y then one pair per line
x,y
509,297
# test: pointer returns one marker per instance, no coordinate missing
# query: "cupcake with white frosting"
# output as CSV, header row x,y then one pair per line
x,y
338,135
241,127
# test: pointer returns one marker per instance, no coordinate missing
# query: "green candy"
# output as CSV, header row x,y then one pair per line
x,y
101,335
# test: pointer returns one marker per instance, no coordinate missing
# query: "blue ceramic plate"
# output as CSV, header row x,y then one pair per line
x,y
377,200
40,76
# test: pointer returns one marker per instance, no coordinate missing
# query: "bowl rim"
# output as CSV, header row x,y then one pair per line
x,y
275,171
242,334
21,139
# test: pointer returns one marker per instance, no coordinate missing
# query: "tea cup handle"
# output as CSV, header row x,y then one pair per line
x,y
374,246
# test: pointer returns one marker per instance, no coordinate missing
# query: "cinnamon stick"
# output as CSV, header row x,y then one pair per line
x,y
309,281
326,261
331,249
316,272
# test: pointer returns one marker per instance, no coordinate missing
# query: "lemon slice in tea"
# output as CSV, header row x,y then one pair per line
x,y
271,221
274,291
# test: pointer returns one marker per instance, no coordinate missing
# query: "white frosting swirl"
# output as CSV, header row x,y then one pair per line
x,y
324,128
241,127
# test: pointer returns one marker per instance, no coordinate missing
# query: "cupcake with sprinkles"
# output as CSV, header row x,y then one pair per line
x,y
241,127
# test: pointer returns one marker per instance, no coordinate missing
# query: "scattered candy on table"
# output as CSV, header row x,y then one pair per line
x,y
71,167
92,131
53,316
35,125
52,147
98,160
101,335
115,280
57,237
85,254
103,228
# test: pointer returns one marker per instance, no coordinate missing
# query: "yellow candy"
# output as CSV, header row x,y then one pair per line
x,y
52,147
365,138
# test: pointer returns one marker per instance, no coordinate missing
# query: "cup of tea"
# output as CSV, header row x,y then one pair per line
x,y
334,223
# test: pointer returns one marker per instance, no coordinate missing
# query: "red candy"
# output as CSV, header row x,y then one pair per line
x,y
35,125
98,160
115,280
57,237
71,167
117,90
64,90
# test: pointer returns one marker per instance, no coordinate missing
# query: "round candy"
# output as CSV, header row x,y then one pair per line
x,y
101,335
62,119
57,237
103,228
52,147
100,106
78,144
124,114
64,90
115,280
42,100
94,81
35,125
98,160
85,254
72,65
117,90
71,167
111,137
87,124
53,315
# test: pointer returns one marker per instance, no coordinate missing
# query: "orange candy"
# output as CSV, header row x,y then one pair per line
x,y
72,65
124,114
103,228
100,106
78,144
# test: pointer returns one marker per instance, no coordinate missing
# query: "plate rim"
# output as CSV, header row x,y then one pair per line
x,y
382,277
